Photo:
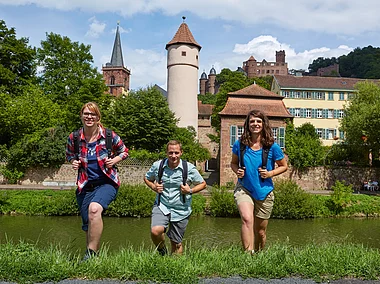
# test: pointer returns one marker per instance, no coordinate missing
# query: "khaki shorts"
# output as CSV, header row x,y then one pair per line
x,y
262,208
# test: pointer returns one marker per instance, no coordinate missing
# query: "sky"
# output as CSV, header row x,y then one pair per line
x,y
229,31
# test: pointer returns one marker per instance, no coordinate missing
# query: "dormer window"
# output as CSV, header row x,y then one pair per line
x,y
183,53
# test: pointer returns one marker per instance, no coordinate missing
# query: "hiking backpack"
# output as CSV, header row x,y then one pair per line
x,y
108,143
184,177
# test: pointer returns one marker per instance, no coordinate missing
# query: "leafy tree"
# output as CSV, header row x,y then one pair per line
x,y
303,147
361,121
68,77
143,119
361,63
207,98
321,62
17,61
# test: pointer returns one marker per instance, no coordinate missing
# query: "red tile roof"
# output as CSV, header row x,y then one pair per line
x,y
204,109
255,97
183,35
315,82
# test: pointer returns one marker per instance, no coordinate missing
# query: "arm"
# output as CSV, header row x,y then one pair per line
x,y
119,148
185,189
235,166
154,185
70,153
282,166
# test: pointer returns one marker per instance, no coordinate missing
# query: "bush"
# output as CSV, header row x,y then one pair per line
x,y
222,202
291,202
341,197
198,204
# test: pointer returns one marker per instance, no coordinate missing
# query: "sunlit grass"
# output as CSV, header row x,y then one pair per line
x,y
23,262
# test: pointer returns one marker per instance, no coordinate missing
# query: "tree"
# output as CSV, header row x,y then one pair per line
x,y
143,119
303,147
68,77
361,63
321,62
361,121
17,61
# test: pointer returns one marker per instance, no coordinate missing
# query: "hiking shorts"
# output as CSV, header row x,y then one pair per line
x,y
103,194
174,230
262,208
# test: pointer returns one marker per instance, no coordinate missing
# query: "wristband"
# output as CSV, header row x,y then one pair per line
x,y
191,191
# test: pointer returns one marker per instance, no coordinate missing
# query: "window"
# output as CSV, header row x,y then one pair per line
x,y
330,134
350,96
341,134
308,112
331,96
309,95
320,96
183,53
297,94
286,94
341,113
319,132
196,57
112,80
235,133
279,136
297,112
341,96
330,113
319,113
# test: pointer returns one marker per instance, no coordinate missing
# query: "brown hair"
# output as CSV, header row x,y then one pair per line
x,y
93,107
174,142
266,134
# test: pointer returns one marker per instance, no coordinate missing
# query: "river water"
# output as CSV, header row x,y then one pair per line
x,y
201,231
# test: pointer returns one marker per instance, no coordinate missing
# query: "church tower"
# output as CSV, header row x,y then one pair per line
x,y
115,74
182,84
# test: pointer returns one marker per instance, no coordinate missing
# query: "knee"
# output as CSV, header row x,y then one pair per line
x,y
94,210
262,233
157,231
247,219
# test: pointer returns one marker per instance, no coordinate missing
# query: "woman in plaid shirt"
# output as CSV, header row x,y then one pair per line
x,y
97,179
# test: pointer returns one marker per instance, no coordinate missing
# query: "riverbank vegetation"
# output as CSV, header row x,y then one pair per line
x,y
291,202
22,262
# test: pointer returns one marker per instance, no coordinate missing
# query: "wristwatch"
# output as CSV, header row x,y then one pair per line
x,y
191,191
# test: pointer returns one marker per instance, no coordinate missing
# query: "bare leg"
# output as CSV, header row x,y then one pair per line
x,y
260,233
246,214
158,236
176,248
95,226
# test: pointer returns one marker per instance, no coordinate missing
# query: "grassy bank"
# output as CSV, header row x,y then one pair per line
x,y
24,262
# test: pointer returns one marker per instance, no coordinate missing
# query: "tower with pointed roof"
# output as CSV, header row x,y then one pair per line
x,y
115,74
182,84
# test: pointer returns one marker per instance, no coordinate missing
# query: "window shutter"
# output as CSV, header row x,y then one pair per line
x,y
232,134
281,136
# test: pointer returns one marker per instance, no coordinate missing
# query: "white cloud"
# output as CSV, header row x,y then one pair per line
x,y
339,17
96,28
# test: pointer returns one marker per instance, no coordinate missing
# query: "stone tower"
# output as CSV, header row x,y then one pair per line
x,y
115,74
182,84
211,81
280,56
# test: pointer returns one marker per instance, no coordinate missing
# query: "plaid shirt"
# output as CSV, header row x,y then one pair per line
x,y
118,148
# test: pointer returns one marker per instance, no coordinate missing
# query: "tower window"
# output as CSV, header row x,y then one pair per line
x,y
196,57
112,80
183,53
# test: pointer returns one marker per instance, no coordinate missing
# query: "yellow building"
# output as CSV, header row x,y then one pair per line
x,y
317,100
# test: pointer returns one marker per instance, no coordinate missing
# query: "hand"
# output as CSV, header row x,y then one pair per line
x,y
76,164
264,173
185,189
109,163
158,187
240,172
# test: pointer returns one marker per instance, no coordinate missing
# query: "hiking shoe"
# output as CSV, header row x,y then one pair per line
x,y
89,254
162,251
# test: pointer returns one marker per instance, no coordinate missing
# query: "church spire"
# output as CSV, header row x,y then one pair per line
x,y
117,54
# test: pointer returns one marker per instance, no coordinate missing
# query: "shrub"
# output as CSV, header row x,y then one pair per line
x,y
222,202
291,202
341,197
198,204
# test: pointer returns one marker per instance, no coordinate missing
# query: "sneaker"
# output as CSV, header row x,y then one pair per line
x,y
89,254
162,251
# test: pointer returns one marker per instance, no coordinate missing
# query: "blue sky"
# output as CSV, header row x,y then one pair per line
x,y
229,31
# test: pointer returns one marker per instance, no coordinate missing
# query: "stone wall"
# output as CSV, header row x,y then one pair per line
x,y
311,179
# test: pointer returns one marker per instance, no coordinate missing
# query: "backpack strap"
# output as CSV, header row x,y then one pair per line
x,y
109,142
159,176
76,138
184,177
265,157
241,156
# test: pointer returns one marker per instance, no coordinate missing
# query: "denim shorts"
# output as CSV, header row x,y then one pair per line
x,y
176,230
103,194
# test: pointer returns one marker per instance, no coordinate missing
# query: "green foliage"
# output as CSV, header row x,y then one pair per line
x,y
321,62
362,117
143,119
17,61
361,63
303,147
222,203
145,155
207,99
291,202
341,197
198,205
12,176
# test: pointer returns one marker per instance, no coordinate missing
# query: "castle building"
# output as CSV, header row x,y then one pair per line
x,y
254,68
317,100
182,80
115,74
207,84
